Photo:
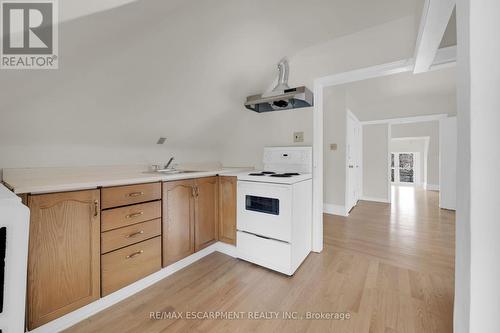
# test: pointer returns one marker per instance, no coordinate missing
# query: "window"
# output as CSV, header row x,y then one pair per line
x,y
403,167
406,170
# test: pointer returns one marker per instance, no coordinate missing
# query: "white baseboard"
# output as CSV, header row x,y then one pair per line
x,y
447,207
335,209
91,309
375,199
432,187
227,249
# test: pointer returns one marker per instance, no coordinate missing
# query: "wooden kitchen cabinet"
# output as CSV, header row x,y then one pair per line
x,y
206,212
178,220
63,262
190,217
227,209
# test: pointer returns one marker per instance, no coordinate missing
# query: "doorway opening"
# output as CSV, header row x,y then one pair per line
x,y
330,198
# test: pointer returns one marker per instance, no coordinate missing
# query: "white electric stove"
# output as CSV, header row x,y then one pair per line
x,y
274,210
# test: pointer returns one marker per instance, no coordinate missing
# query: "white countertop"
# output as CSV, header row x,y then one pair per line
x,y
46,180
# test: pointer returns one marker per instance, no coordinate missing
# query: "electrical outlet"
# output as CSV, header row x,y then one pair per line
x,y
298,137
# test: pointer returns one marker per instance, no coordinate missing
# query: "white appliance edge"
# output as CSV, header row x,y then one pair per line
x,y
15,217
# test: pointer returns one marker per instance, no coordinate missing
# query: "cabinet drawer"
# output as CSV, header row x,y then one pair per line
x,y
125,266
265,252
129,194
118,238
124,216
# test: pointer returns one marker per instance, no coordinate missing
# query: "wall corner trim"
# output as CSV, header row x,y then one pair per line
x,y
374,199
335,209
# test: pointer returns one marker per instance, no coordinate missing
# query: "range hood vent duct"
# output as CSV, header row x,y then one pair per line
x,y
282,97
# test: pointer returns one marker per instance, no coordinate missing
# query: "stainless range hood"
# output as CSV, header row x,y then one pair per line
x,y
282,97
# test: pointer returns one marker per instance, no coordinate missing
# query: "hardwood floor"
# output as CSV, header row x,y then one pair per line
x,y
389,266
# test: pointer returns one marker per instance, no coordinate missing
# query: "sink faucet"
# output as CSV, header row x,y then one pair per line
x,y
169,162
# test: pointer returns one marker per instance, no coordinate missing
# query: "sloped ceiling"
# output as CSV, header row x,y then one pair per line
x,y
155,68
404,95
440,82
73,9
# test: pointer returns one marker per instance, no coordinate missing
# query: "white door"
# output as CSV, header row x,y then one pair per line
x,y
353,153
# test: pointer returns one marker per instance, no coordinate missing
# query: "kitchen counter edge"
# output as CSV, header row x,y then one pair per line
x,y
139,179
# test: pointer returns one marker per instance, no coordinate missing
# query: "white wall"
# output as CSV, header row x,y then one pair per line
x,y
448,162
18,156
417,145
124,81
334,132
410,105
256,131
429,129
384,43
375,162
183,70
178,69
121,85
477,268
404,95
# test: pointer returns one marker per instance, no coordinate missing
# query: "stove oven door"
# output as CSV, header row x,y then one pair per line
x,y
265,209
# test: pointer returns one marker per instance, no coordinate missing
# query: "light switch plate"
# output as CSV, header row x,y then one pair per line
x,y
298,137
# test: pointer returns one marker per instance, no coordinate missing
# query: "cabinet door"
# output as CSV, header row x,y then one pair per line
x,y
178,220
206,213
227,209
63,264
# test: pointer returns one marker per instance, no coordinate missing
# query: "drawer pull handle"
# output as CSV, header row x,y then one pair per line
x,y
131,216
135,254
135,194
135,234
